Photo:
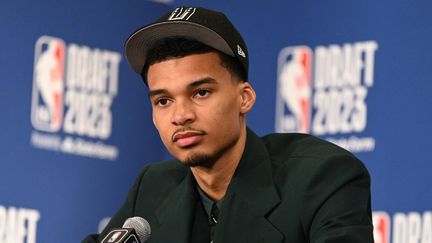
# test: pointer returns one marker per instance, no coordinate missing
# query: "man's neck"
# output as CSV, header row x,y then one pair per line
x,y
214,181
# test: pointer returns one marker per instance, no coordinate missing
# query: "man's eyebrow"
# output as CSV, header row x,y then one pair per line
x,y
152,93
206,80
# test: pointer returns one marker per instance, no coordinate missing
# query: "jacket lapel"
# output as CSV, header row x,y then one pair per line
x,y
250,197
176,213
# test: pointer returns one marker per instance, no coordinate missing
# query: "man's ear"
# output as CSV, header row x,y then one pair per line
x,y
248,97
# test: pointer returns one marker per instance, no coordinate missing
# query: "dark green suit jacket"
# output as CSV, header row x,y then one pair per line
x,y
287,188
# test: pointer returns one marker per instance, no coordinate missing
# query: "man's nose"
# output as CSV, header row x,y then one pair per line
x,y
183,113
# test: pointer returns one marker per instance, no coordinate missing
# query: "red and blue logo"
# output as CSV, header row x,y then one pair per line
x,y
48,84
295,89
381,222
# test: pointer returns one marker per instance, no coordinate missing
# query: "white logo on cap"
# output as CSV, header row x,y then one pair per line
x,y
182,14
240,51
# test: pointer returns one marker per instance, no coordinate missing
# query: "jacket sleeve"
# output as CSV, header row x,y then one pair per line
x,y
126,211
341,205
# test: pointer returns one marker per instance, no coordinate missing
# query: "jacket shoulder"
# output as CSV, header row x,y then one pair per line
x,y
286,145
159,178
320,183
173,169
306,161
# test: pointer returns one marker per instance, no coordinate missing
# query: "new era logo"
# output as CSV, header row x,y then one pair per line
x,y
182,14
240,51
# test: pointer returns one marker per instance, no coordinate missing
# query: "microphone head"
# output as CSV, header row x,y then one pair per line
x,y
141,227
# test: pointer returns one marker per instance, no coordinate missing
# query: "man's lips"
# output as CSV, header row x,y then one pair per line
x,y
187,138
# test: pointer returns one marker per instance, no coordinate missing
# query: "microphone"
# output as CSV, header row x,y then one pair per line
x,y
134,230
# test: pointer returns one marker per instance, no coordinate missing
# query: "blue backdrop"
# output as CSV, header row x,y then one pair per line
x,y
76,123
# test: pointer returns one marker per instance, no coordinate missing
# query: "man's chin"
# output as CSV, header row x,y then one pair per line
x,y
202,160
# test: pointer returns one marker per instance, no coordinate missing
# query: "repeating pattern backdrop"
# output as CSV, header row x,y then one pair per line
x,y
76,122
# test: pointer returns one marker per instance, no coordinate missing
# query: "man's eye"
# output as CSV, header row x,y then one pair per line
x,y
202,92
161,102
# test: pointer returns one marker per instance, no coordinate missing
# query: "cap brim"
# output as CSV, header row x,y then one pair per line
x,y
142,40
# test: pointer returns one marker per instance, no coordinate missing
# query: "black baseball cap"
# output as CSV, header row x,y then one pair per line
x,y
203,25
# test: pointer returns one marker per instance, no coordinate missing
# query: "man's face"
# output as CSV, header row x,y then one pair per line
x,y
197,107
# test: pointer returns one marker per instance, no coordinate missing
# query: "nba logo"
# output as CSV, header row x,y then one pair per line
x,y
381,222
48,84
294,90
115,236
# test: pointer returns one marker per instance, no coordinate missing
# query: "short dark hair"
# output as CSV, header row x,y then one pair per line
x,y
180,47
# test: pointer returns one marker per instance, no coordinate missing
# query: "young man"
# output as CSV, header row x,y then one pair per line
x,y
226,184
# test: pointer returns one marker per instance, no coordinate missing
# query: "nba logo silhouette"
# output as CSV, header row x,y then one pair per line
x,y
381,222
115,236
48,84
294,90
